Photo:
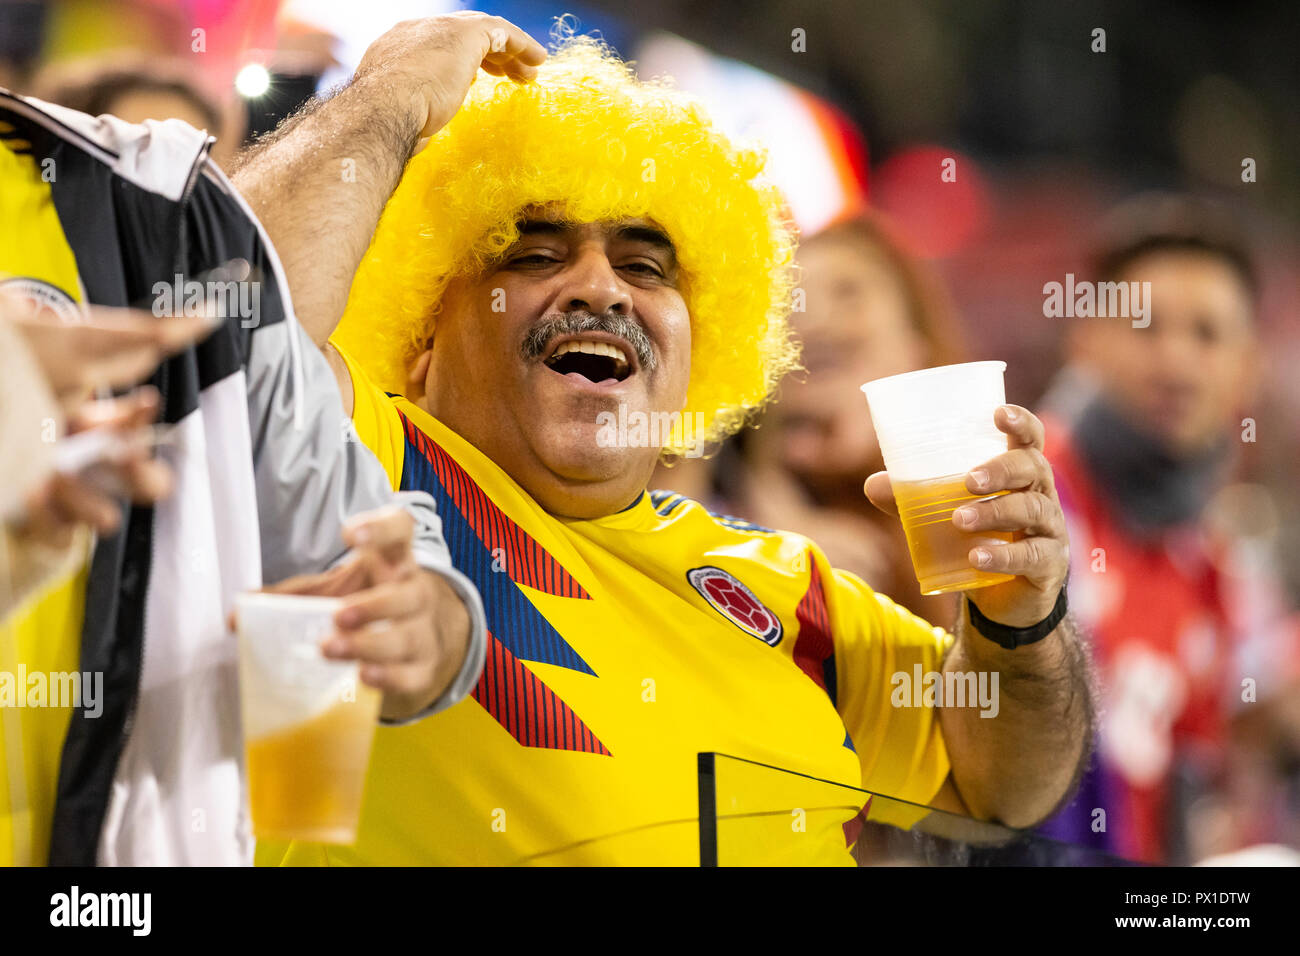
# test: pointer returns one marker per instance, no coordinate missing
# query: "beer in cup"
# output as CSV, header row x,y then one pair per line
x,y
935,425
308,721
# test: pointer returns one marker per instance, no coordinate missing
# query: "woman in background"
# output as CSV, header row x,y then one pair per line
x,y
870,310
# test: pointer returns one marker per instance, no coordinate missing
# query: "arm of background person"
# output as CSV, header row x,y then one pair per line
x,y
48,371
25,406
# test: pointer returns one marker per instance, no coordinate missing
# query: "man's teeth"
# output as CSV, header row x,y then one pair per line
x,y
591,348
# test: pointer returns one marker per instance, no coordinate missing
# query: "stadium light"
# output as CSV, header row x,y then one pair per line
x,y
252,81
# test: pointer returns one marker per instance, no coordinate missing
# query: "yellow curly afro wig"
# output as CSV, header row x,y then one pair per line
x,y
588,138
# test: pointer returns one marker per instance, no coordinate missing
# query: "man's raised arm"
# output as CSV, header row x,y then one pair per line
x,y
319,182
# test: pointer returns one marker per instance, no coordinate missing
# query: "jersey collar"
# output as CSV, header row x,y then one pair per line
x,y
640,515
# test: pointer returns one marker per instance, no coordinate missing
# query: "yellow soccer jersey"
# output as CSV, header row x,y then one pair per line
x,y
43,635
620,648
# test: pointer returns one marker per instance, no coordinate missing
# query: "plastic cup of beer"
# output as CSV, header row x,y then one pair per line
x,y
935,425
308,721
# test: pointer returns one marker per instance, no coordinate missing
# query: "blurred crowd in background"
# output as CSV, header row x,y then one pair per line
x,y
944,162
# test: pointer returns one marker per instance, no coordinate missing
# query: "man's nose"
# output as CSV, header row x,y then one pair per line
x,y
591,284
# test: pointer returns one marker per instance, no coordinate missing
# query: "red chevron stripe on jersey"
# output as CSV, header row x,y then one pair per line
x,y
814,646
524,560
853,828
527,708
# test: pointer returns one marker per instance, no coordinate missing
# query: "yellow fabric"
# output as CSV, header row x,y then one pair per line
x,y
43,635
36,248
674,677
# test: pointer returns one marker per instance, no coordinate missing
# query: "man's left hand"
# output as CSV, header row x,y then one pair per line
x,y
1039,556
405,625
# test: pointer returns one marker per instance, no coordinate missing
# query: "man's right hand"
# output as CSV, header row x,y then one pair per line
x,y
434,61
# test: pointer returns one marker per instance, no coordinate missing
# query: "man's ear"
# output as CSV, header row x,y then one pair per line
x,y
416,376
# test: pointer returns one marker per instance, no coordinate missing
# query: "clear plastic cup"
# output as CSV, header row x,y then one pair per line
x,y
308,721
935,425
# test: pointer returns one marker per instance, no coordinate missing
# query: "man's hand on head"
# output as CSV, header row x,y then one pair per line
x,y
433,61
1039,556
405,625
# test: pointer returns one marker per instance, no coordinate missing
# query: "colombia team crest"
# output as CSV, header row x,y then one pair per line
x,y
736,603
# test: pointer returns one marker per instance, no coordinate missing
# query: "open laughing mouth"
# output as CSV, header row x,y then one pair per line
x,y
597,357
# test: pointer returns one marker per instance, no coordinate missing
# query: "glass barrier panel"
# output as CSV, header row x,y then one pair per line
x,y
752,814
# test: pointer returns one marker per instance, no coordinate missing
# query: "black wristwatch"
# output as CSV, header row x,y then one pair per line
x,y
1013,637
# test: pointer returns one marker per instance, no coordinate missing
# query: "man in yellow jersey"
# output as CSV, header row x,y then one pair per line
x,y
574,257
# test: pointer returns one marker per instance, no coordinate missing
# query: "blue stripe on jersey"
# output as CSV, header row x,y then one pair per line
x,y
511,617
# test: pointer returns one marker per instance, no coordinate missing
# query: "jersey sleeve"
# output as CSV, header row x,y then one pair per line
x,y
900,748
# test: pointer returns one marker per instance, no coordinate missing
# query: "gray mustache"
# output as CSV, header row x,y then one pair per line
x,y
539,337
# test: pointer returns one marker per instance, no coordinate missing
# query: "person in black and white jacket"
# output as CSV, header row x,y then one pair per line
x,y
270,487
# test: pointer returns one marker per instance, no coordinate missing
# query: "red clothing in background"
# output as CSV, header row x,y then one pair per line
x,y
1155,610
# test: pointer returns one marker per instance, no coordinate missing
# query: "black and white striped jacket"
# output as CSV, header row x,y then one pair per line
x,y
267,470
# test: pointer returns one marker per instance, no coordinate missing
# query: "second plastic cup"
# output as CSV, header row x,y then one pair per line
x,y
935,425
308,721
